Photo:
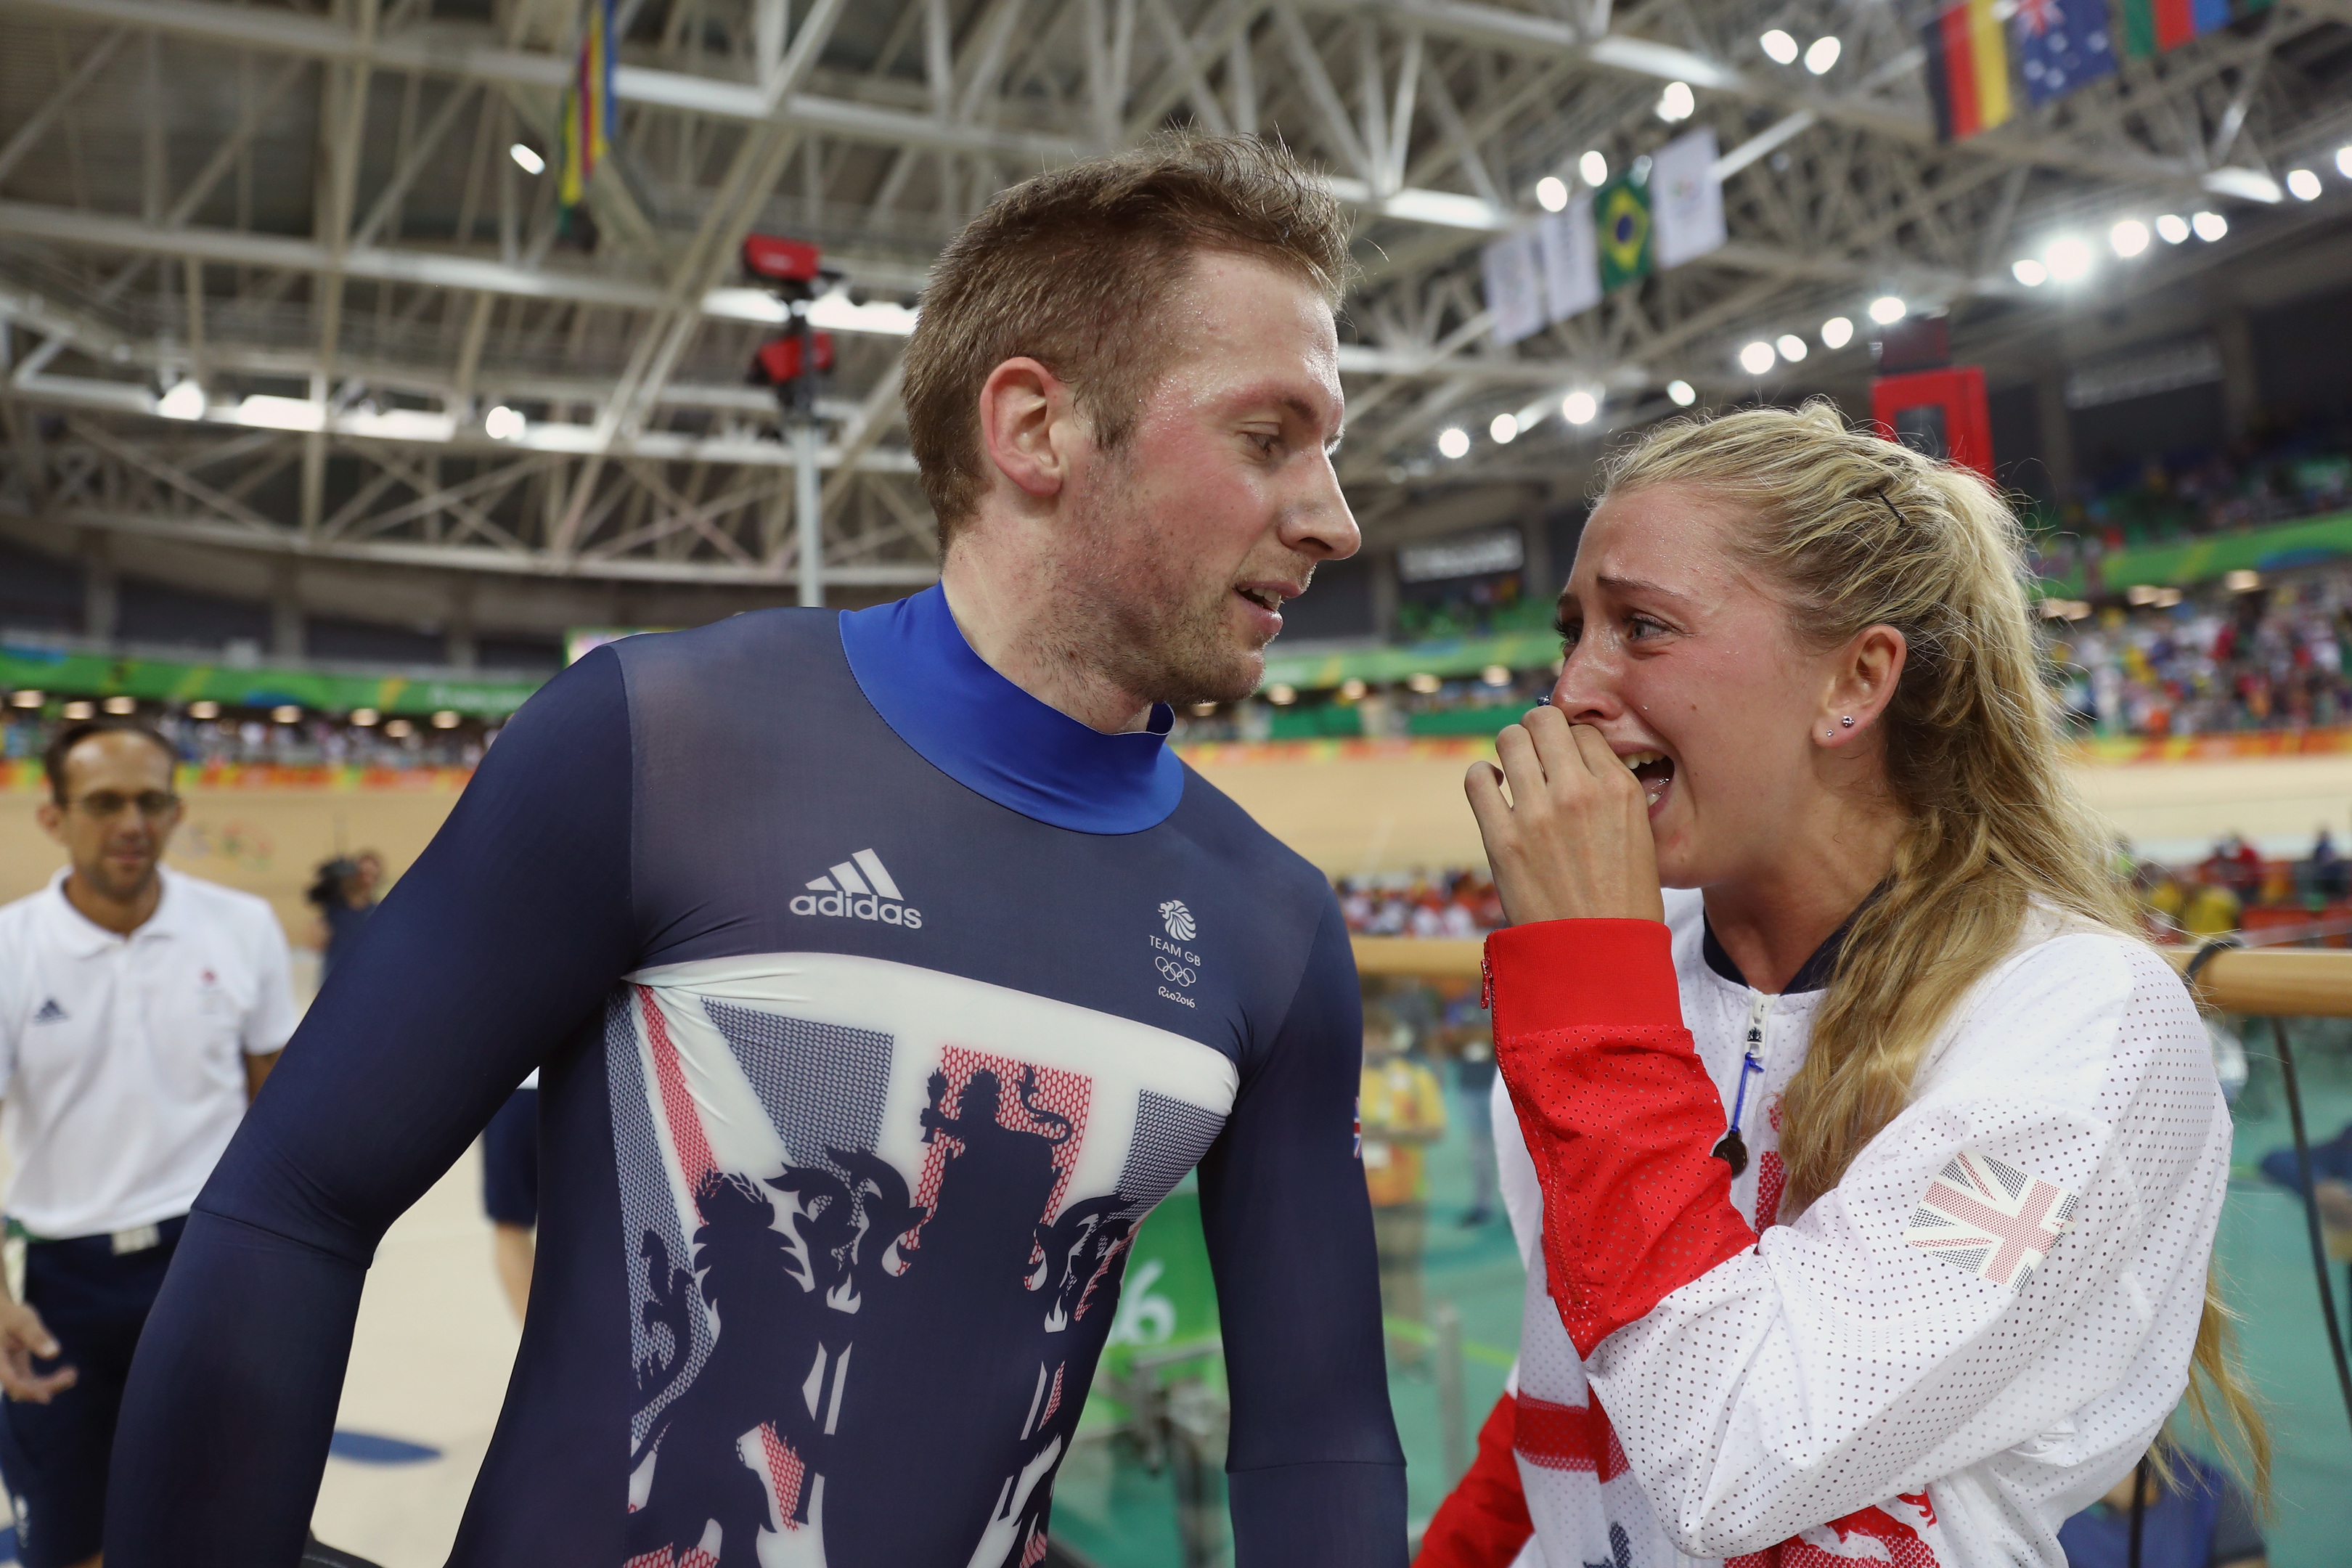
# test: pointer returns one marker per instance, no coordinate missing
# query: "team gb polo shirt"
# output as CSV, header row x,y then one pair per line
x,y
123,1058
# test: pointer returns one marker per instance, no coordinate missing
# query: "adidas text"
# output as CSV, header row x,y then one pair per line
x,y
849,905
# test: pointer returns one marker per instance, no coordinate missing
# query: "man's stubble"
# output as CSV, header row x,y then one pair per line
x,y
1135,617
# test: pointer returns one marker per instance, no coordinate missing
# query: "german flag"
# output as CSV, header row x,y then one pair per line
x,y
1968,69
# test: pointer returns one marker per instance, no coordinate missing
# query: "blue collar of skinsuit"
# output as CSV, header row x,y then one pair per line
x,y
911,660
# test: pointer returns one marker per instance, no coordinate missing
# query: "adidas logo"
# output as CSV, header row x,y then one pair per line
x,y
50,1013
861,889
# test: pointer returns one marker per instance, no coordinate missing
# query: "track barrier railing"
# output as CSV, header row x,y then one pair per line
x,y
2266,982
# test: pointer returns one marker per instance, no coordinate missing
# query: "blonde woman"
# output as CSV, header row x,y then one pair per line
x,y
1867,1177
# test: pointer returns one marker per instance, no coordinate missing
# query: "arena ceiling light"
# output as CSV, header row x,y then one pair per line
x,y
1757,357
120,705
1823,55
75,712
1778,47
365,718
2209,226
1791,346
1281,696
1682,392
447,719
2173,228
2069,260
1551,194
206,709
1495,675
1504,429
2304,183
185,400
1452,441
2129,237
1887,309
285,713
1425,683
2030,272
1353,690
529,160
1836,333
27,698
2241,581
503,424
1593,168
1677,102
2344,162
1580,408
400,729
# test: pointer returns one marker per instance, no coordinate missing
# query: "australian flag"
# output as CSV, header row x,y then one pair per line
x,y
2061,45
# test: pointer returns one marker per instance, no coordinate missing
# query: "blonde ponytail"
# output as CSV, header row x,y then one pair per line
x,y
1851,532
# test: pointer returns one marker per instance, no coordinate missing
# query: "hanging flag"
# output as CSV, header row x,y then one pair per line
x,y
1968,69
1686,199
2061,45
588,105
1514,276
1620,219
1571,269
2151,27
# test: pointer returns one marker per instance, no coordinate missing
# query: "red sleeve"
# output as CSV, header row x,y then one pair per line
x,y
1484,1522
1619,1114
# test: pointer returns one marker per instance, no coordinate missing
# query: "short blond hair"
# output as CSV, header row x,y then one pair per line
x,y
1072,269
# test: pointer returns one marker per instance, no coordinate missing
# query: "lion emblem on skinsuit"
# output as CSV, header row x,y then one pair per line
x,y
1178,920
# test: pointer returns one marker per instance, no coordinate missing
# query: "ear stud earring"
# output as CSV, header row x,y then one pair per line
x,y
1847,720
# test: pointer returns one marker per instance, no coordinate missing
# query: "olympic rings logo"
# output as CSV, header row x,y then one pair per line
x,y
1175,972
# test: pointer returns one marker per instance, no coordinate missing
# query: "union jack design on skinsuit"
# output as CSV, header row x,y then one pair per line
x,y
825,1161
1989,1218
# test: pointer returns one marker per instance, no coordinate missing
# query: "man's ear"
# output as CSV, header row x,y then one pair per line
x,y
1862,684
52,818
1030,426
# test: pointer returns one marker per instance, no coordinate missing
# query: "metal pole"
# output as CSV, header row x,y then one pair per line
x,y
1453,1415
808,509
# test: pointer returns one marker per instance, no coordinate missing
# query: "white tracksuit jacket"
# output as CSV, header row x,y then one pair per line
x,y
1839,1369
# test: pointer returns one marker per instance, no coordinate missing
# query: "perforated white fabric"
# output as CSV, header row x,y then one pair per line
x,y
1835,1368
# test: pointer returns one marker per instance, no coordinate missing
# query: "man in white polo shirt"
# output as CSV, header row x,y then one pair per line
x,y
139,1010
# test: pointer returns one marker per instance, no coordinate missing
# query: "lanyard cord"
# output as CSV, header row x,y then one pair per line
x,y
1733,1150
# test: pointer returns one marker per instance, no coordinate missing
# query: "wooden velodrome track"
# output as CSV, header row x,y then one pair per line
x,y
1355,815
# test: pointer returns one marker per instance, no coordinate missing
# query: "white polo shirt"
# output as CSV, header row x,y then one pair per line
x,y
122,1058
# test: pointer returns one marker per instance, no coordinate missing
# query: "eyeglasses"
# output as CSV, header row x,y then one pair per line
x,y
106,805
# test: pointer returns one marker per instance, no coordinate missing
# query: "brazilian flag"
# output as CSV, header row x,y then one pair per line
x,y
1620,221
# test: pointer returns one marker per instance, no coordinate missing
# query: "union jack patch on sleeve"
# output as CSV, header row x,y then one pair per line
x,y
1989,1218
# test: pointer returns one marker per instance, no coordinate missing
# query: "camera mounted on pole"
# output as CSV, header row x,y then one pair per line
x,y
794,271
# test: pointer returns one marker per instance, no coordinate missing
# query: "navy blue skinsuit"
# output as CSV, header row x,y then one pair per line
x,y
877,1002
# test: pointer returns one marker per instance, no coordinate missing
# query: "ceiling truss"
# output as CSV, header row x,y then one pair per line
x,y
309,210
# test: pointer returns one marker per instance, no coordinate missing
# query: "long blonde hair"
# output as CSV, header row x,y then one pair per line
x,y
1851,530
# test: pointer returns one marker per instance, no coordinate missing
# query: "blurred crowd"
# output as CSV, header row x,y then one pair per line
x,y
2273,480
257,739
2236,887
2270,658
1421,903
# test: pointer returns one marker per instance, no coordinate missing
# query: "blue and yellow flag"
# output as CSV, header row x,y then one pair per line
x,y
588,104
1620,221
